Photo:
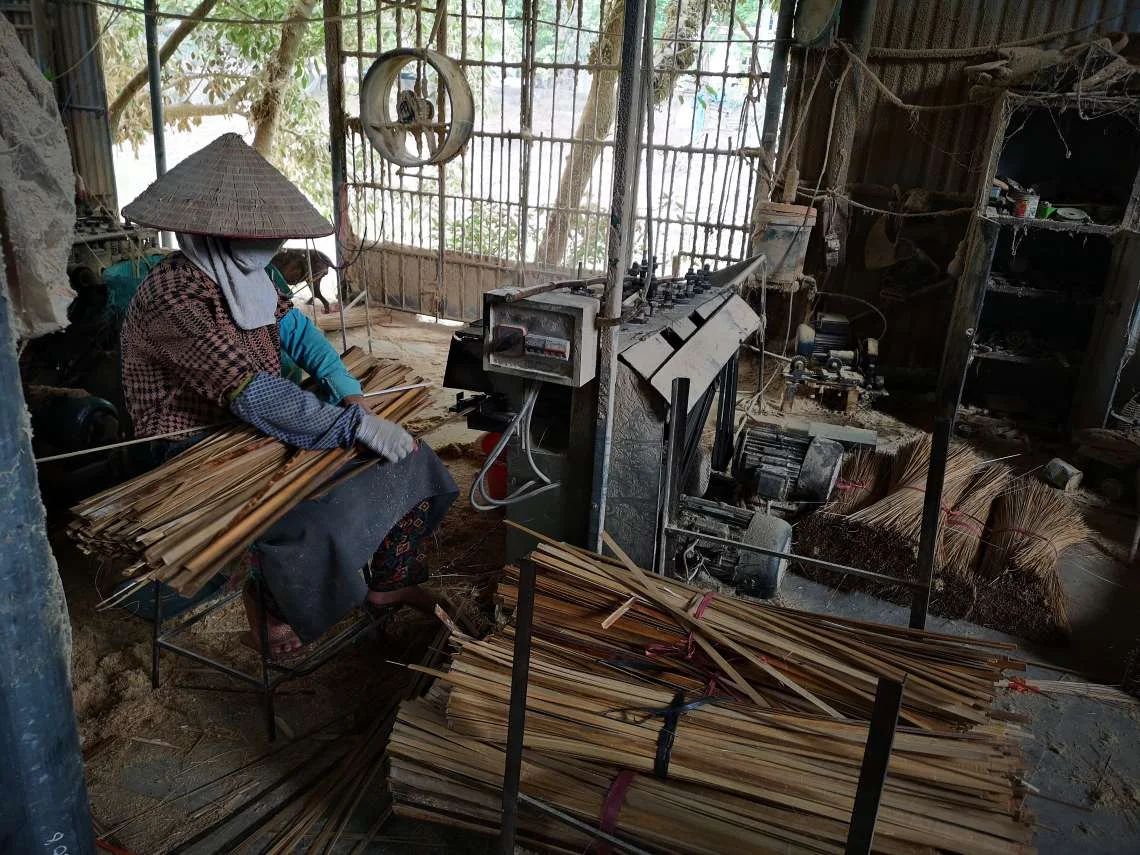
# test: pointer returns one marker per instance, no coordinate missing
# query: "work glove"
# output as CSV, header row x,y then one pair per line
x,y
386,438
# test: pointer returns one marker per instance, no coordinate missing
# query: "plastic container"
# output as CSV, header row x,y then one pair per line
x,y
496,480
781,232
1024,204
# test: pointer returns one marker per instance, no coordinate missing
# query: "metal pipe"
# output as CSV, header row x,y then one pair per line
x,y
334,71
674,459
46,806
931,517
773,101
873,771
803,559
573,821
627,139
154,73
516,716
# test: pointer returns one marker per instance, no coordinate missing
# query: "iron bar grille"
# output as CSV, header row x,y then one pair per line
x,y
530,193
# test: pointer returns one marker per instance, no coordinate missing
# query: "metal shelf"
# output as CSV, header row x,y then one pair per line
x,y
1031,292
1007,221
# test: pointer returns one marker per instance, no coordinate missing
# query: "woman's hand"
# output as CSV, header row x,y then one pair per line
x,y
349,400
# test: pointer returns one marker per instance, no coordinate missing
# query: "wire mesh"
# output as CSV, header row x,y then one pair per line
x,y
530,193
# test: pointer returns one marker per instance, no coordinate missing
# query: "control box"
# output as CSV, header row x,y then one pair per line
x,y
551,337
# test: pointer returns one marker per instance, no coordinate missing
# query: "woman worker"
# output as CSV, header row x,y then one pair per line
x,y
201,343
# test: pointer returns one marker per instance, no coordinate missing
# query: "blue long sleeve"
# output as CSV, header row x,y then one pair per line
x,y
306,345
285,411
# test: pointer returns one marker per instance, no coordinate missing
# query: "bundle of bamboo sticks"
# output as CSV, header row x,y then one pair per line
x,y
186,519
956,792
863,481
777,658
963,530
1031,525
441,775
900,510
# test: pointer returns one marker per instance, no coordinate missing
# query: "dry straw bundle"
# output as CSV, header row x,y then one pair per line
x,y
1031,525
963,529
900,511
862,481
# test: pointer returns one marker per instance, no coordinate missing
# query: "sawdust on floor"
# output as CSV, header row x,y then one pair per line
x,y
145,748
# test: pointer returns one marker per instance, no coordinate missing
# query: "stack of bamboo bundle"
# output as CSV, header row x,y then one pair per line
x,y
185,520
780,658
900,511
956,792
756,764
999,539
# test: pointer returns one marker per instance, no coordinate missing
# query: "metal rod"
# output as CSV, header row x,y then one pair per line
x,y
803,559
873,772
592,830
931,517
516,721
627,138
674,458
154,74
210,663
335,73
774,102
726,414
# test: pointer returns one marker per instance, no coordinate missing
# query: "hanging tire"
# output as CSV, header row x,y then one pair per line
x,y
760,575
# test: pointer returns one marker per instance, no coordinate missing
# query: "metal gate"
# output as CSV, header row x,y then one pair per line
x,y
530,193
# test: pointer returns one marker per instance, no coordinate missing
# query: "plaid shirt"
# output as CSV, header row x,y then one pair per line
x,y
183,355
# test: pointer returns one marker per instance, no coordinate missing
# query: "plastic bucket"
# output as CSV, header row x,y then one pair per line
x,y
1024,204
781,232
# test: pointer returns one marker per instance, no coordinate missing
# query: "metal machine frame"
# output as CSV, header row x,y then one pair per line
x,y
273,673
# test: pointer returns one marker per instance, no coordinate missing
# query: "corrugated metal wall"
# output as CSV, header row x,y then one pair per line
x,y
82,96
940,151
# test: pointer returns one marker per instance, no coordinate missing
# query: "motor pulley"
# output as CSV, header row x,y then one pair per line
x,y
416,107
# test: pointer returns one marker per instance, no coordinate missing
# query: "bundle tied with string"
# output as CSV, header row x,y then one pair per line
x,y
900,511
963,529
1031,525
863,480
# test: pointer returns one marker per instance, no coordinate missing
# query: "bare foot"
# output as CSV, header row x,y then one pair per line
x,y
413,596
282,639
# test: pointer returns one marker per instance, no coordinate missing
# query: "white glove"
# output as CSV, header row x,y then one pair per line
x,y
386,438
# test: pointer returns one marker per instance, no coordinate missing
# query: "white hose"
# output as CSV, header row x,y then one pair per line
x,y
478,496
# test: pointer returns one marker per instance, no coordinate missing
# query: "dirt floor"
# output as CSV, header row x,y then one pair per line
x,y
166,767
155,756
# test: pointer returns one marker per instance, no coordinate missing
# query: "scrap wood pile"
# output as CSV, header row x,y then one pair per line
x,y
185,520
738,774
999,537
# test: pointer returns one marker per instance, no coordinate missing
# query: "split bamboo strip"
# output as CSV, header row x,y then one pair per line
x,y
957,792
184,520
794,661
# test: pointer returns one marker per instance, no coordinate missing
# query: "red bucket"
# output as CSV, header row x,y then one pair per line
x,y
496,480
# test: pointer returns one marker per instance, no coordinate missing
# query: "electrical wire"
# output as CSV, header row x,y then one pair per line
x,y
521,424
854,299
271,22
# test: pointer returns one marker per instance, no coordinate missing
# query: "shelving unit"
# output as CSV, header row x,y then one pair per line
x,y
1046,316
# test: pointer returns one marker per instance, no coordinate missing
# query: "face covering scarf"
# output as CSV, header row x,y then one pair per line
x,y
238,266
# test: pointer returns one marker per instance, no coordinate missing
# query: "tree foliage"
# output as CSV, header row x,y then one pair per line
x,y
231,70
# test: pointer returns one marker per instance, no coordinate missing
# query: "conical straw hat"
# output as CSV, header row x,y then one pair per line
x,y
229,190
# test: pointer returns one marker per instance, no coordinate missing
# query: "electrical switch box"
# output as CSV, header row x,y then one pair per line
x,y
550,337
